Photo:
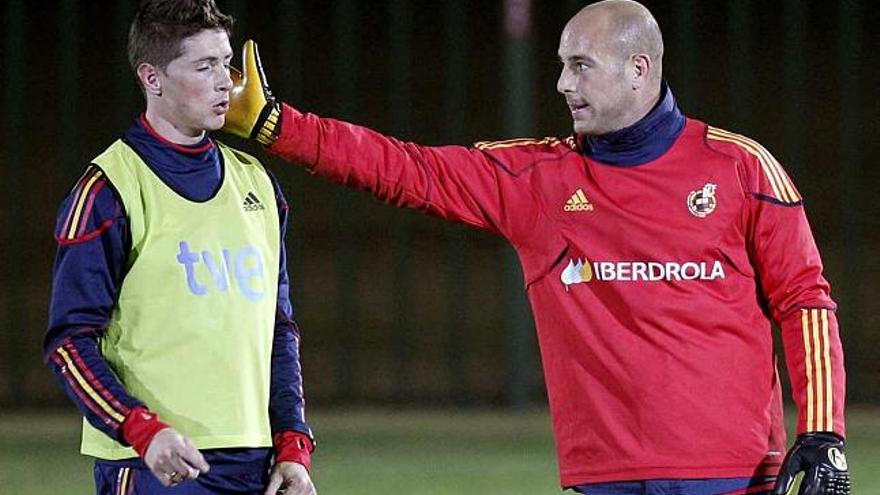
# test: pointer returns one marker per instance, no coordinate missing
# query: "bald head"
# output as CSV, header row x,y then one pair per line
x,y
627,28
611,76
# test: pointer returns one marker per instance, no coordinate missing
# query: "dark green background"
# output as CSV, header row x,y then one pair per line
x,y
395,307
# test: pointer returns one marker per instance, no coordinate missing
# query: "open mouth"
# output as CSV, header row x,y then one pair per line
x,y
575,108
223,106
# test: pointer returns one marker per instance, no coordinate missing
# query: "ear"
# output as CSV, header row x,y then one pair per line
x,y
642,67
149,77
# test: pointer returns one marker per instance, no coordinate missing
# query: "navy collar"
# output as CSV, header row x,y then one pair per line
x,y
642,142
142,126
192,171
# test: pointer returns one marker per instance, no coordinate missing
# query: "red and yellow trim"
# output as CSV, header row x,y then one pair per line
x,y
81,206
87,387
780,183
118,406
817,357
124,481
510,143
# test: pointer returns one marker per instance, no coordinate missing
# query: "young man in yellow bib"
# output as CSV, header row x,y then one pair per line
x,y
171,325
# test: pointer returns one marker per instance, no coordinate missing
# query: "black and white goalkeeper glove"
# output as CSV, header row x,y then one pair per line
x,y
822,459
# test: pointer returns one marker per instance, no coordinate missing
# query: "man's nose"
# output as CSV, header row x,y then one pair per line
x,y
224,82
565,83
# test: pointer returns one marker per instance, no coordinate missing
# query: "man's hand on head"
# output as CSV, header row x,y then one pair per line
x,y
173,459
253,111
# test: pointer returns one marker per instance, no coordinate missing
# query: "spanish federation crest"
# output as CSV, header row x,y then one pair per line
x,y
702,202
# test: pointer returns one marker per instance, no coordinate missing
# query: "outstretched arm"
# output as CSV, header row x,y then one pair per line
x,y
483,188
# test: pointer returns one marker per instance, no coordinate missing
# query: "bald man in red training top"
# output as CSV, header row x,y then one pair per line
x,y
657,252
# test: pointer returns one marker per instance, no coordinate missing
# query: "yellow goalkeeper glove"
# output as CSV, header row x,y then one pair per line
x,y
253,111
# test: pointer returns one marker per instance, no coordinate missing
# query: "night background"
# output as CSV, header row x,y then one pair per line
x,y
397,309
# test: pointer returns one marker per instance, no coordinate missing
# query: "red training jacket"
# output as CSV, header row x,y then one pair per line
x,y
653,287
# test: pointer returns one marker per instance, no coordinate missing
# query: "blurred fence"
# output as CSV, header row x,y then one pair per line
x,y
393,306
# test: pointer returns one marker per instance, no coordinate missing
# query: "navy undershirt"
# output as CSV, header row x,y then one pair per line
x,y
192,171
642,142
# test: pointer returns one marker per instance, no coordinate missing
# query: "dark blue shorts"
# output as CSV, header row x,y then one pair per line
x,y
233,471
715,486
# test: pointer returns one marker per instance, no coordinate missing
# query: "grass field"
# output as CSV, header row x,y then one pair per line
x,y
380,452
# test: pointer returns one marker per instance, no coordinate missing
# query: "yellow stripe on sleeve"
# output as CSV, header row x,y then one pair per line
x,y
771,167
817,361
83,195
829,400
510,143
771,178
776,176
805,324
488,145
776,168
122,481
88,388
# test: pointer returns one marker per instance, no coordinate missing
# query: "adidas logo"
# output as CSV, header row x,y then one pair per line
x,y
578,202
252,203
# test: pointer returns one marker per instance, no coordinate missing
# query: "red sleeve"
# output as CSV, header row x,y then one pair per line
x,y
139,428
789,269
293,446
469,185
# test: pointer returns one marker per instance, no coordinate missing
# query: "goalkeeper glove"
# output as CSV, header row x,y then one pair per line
x,y
821,457
253,111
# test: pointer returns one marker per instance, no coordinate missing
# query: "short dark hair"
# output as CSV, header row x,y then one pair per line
x,y
160,26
